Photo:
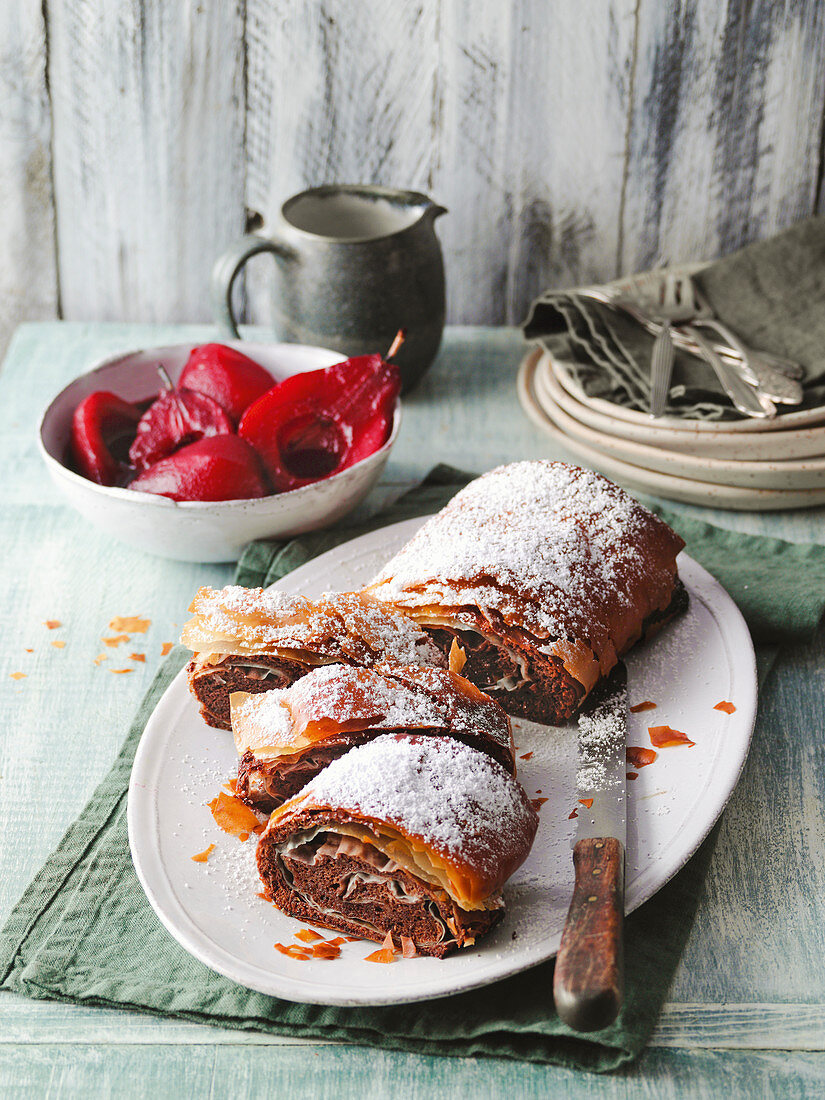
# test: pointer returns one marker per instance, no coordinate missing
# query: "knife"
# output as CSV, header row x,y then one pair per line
x,y
588,984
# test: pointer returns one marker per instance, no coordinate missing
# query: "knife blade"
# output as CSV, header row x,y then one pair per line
x,y
588,983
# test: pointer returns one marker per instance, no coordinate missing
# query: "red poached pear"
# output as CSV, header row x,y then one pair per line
x,y
227,376
316,424
220,467
103,425
178,417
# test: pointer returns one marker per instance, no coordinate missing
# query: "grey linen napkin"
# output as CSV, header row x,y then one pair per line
x,y
771,293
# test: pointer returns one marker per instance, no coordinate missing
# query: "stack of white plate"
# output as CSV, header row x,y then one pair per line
x,y
754,465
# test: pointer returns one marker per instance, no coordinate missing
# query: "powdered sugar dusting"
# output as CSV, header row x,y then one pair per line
x,y
340,696
458,801
602,737
224,606
344,693
343,626
558,550
464,709
264,715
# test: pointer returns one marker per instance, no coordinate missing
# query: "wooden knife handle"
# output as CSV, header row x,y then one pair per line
x,y
588,984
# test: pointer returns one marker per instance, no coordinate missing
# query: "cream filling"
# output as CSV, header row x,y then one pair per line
x,y
393,886
299,846
253,672
506,683
341,844
207,657
336,845
402,852
577,658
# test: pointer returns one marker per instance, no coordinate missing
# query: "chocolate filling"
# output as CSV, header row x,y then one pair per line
x,y
265,784
537,686
338,882
213,684
530,684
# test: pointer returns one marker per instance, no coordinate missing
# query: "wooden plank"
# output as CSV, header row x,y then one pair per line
x,y
355,1073
148,112
360,103
488,108
470,174
699,140
572,66
63,1024
760,930
28,267
754,1026
726,126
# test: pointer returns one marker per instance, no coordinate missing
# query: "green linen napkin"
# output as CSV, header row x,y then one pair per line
x,y
771,293
84,932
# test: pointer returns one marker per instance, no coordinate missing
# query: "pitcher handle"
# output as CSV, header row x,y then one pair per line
x,y
226,271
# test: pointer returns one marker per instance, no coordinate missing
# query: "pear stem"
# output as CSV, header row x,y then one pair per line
x,y
164,377
400,336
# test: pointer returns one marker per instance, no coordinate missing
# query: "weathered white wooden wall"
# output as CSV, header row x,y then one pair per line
x,y
570,139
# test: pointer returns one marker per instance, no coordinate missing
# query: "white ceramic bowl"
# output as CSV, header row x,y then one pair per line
x,y
199,530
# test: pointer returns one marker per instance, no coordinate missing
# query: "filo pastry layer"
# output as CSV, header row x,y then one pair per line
x,y
255,639
545,574
409,835
286,736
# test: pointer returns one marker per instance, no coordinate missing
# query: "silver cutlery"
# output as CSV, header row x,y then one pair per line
x,y
747,398
670,306
773,383
661,370
680,301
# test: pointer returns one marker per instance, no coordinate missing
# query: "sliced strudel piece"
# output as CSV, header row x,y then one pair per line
x,y
545,574
254,639
409,835
285,737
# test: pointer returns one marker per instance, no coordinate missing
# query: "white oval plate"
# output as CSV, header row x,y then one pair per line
x,y
776,446
686,489
212,908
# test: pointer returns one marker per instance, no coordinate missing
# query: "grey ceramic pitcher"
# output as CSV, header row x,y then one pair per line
x,y
355,264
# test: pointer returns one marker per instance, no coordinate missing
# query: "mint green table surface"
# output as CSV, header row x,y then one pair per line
x,y
746,1015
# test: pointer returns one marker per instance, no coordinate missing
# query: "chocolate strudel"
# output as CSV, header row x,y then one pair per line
x,y
409,835
285,737
545,574
255,639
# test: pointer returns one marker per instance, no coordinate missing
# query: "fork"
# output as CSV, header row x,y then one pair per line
x,y
661,370
670,308
662,354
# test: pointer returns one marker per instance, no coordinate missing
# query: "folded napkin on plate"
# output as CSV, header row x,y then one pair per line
x,y
771,293
83,930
